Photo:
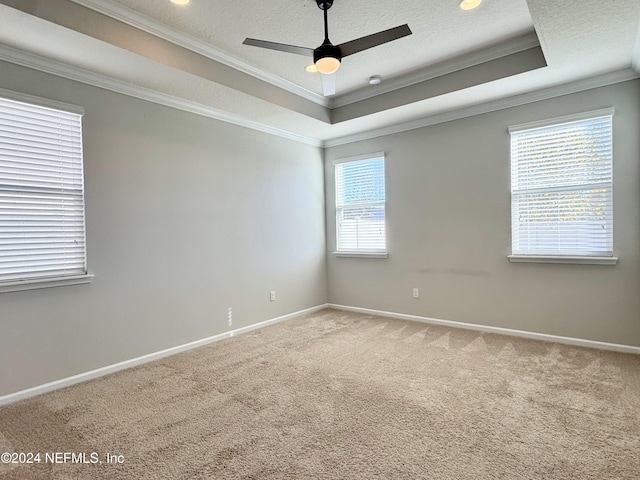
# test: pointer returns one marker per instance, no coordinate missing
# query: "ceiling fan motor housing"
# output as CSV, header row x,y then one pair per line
x,y
327,58
327,49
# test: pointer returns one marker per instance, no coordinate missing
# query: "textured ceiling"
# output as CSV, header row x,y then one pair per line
x,y
192,57
440,30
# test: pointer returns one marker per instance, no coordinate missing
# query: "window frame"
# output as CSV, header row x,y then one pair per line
x,y
591,259
363,253
32,283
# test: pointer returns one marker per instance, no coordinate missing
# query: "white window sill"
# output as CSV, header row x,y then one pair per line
x,y
19,285
362,254
576,260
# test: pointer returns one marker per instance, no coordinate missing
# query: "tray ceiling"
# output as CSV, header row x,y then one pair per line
x,y
192,56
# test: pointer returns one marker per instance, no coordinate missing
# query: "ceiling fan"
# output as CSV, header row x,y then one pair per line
x,y
327,57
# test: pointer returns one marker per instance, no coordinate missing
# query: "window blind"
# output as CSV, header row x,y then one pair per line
x,y
42,225
360,205
561,188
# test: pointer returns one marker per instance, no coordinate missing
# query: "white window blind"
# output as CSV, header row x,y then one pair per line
x,y
561,188
42,226
360,204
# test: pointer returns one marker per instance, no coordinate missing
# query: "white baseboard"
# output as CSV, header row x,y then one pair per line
x,y
504,331
99,372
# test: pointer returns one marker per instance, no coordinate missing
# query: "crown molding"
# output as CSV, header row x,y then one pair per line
x,y
477,57
142,22
60,69
137,20
491,106
54,67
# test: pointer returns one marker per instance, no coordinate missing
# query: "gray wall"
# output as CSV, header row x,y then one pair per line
x,y
186,216
448,224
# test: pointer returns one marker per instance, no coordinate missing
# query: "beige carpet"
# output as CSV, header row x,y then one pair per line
x,y
336,395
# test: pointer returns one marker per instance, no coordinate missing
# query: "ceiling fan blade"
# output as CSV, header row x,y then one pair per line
x,y
282,47
328,84
363,43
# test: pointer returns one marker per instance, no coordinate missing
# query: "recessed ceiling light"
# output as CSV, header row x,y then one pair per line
x,y
470,4
375,80
311,68
180,2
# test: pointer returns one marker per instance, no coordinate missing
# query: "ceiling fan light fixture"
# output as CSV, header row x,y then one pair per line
x,y
327,65
327,58
470,4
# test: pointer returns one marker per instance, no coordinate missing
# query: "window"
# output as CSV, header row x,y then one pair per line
x,y
42,226
561,188
360,205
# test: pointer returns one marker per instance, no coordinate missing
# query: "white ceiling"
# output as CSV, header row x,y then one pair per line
x,y
455,63
440,30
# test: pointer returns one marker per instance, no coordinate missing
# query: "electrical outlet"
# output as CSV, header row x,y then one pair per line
x,y
416,293
230,316
272,295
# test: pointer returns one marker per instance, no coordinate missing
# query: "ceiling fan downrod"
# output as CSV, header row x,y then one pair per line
x,y
325,5
326,57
